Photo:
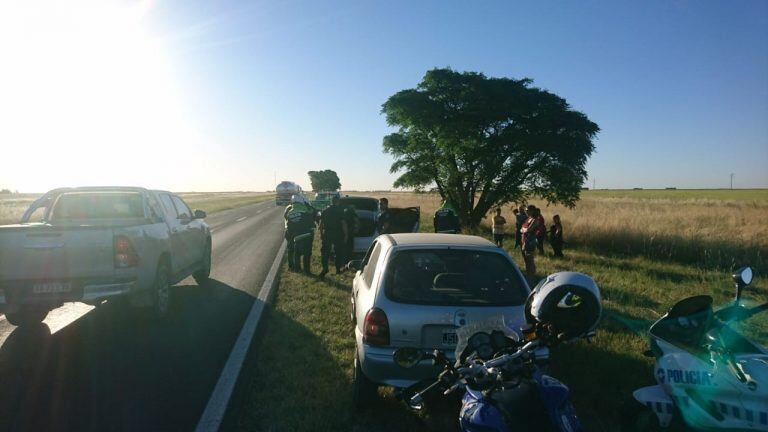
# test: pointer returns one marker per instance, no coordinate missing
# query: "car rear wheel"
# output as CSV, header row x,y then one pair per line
x,y
26,316
364,391
161,292
201,276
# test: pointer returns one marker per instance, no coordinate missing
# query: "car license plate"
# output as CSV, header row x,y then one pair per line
x,y
51,287
450,338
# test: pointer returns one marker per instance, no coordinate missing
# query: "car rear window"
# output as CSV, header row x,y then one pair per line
x,y
453,277
99,205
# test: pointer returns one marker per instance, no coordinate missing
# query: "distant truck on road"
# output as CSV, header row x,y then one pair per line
x,y
96,243
285,190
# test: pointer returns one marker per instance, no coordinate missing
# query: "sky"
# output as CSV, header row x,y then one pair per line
x,y
233,95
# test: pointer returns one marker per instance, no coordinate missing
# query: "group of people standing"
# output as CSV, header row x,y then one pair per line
x,y
530,234
337,227
336,224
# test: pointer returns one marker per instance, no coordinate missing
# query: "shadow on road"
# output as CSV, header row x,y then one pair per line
x,y
118,369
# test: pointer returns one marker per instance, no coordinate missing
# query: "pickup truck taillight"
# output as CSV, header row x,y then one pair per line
x,y
125,254
376,328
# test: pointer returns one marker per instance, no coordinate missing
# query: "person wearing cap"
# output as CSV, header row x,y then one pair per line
x,y
300,219
335,234
446,219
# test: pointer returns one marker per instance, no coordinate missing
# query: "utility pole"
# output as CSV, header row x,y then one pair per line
x,y
732,174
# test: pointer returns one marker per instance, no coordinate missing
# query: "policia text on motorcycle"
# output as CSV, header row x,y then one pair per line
x,y
300,220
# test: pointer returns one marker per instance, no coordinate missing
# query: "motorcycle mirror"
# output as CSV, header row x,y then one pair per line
x,y
742,277
407,357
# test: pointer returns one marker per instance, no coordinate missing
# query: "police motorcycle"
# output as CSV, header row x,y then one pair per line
x,y
502,373
709,376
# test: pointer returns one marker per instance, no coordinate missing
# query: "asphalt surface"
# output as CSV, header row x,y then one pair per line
x,y
113,369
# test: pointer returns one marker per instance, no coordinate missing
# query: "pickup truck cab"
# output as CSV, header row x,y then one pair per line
x,y
95,243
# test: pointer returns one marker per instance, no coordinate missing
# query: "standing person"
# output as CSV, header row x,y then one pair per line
x,y
498,228
520,218
384,219
528,232
334,233
556,236
541,231
300,219
446,219
350,217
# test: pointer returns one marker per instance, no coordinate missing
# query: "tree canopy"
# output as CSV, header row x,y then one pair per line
x,y
325,180
484,142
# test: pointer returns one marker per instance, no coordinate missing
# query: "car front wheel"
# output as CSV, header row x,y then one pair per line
x,y
201,276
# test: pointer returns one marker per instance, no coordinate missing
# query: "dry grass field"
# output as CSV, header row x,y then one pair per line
x,y
12,207
645,249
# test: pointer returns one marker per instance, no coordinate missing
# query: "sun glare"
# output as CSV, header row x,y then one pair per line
x,y
87,96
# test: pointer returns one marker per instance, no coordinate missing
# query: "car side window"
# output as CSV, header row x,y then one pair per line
x,y
170,210
154,208
370,267
181,208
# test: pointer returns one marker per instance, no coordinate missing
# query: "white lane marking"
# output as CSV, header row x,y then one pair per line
x,y
219,400
65,315
241,219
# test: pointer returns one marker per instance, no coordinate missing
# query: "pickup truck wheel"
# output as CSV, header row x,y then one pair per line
x,y
26,317
364,391
161,292
201,276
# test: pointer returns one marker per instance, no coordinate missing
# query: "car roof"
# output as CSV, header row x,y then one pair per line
x,y
430,239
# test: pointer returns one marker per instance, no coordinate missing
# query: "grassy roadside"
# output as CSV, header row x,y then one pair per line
x,y
303,361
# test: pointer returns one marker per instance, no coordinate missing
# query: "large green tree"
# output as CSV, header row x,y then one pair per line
x,y
484,142
325,180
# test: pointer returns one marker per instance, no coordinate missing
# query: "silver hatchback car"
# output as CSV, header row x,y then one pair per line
x,y
415,290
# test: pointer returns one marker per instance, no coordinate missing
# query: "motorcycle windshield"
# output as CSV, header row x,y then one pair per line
x,y
487,325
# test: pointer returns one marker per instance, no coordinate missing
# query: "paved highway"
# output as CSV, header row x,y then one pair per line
x,y
112,369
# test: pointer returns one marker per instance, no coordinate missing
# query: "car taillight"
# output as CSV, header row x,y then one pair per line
x,y
125,254
376,328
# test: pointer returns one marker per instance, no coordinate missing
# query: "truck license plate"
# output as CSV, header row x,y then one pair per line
x,y
450,338
51,287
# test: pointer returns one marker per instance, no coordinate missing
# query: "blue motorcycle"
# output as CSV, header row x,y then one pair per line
x,y
502,373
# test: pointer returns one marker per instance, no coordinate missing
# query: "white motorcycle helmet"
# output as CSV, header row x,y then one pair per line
x,y
567,303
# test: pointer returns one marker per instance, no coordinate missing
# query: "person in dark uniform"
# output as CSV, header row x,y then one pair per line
x,y
385,217
300,219
556,236
350,217
334,234
446,219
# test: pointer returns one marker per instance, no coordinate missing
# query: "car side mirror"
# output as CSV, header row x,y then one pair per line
x,y
199,214
355,265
